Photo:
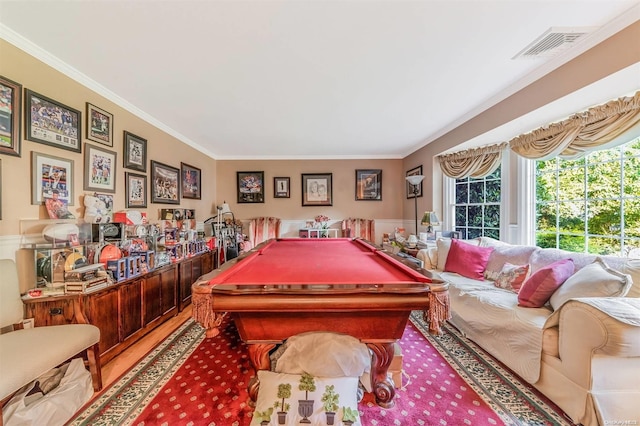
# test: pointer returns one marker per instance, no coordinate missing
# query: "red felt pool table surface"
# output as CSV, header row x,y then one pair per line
x,y
285,287
318,261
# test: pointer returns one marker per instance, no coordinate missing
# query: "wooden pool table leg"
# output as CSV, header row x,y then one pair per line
x,y
382,386
259,357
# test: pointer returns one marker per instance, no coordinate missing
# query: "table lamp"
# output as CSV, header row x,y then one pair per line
x,y
415,181
430,220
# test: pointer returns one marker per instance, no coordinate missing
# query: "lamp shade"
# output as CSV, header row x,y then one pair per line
x,y
430,218
415,179
225,208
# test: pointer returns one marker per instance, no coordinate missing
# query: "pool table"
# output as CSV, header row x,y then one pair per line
x,y
288,286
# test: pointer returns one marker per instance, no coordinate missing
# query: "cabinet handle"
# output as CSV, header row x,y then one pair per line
x,y
55,311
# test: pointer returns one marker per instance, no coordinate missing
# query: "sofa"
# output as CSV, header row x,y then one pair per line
x,y
567,323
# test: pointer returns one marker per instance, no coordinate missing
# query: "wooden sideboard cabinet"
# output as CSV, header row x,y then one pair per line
x,y
190,271
126,311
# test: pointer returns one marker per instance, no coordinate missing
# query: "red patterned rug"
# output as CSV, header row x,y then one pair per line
x,y
190,380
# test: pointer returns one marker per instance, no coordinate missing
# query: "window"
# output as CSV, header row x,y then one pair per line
x,y
477,206
591,204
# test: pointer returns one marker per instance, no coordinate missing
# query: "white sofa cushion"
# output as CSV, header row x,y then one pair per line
x,y
594,280
29,353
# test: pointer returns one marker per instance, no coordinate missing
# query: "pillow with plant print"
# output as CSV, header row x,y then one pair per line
x,y
344,392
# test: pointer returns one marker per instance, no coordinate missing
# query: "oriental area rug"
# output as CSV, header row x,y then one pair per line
x,y
192,380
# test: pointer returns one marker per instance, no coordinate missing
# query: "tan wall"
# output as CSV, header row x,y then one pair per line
x,y
218,177
16,171
614,54
344,181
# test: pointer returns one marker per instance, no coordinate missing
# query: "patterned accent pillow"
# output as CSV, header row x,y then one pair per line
x,y
345,387
511,277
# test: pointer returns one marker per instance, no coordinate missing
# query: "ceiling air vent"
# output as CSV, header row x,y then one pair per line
x,y
553,41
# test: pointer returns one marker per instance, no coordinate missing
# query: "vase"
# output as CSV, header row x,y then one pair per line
x,y
330,417
305,409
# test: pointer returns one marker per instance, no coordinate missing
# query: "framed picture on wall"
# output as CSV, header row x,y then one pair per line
x,y
136,187
135,152
191,180
317,189
52,123
49,174
250,187
99,169
165,184
281,187
11,94
99,125
369,185
414,172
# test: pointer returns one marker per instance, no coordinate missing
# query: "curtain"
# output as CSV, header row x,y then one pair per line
x,y
358,228
262,229
478,162
597,128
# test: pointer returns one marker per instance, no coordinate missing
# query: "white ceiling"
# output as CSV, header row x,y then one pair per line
x,y
314,79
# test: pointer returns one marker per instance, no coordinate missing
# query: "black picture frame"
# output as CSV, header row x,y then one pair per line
x,y
413,172
191,181
165,183
369,185
99,169
135,152
281,187
250,187
10,141
99,125
39,127
317,189
136,188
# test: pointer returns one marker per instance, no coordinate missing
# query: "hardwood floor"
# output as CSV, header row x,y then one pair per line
x,y
119,365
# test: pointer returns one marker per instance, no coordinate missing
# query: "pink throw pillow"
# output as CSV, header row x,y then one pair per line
x,y
467,260
538,288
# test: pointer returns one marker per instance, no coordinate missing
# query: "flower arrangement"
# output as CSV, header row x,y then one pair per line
x,y
322,221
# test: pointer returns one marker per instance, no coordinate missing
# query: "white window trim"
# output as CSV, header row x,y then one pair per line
x,y
449,199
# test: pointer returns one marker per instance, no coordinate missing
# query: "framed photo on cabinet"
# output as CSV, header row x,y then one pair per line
x,y
52,123
10,113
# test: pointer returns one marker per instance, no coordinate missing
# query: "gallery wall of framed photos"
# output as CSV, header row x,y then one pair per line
x,y
116,148
100,148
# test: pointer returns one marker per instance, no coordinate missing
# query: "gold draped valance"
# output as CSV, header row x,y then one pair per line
x,y
477,162
582,132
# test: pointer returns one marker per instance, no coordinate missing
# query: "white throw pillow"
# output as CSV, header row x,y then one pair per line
x,y
444,244
593,280
345,387
324,354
